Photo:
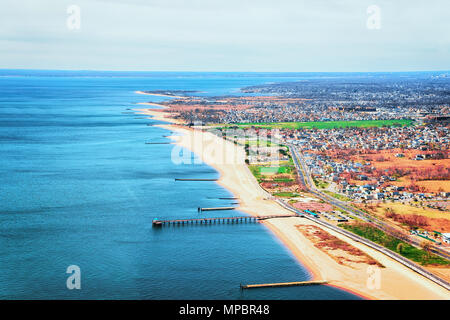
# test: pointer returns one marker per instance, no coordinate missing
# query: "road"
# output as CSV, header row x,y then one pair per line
x,y
306,178
308,182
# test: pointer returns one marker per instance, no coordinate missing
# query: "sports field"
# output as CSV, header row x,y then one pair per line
x,y
326,124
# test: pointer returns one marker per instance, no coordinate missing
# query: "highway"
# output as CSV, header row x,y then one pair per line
x,y
310,186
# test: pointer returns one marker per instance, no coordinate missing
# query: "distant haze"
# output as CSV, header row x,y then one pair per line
x,y
226,35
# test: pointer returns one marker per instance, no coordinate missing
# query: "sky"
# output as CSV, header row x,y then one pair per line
x,y
226,35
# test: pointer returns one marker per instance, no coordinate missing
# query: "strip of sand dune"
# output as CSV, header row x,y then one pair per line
x,y
397,281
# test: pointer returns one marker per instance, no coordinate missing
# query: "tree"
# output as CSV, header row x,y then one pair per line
x,y
400,247
426,246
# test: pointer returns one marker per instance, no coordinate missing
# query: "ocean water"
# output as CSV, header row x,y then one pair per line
x,y
79,186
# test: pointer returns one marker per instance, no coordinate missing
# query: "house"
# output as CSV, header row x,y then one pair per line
x,y
379,196
446,237
420,157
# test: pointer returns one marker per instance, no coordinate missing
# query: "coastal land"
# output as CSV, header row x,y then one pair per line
x,y
349,267
157,94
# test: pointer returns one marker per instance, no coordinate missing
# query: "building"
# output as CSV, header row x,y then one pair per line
x,y
446,237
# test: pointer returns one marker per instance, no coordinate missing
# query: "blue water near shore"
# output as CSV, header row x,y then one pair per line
x,y
79,186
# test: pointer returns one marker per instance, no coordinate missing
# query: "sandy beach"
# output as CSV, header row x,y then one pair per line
x,y
158,115
395,280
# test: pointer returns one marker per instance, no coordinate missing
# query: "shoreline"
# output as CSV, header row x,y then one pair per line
x,y
404,283
159,95
153,104
158,115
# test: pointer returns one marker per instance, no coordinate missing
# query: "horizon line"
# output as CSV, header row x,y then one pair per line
x,y
212,71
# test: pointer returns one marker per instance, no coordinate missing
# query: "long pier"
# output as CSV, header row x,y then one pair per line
x,y
181,179
283,284
223,198
215,209
236,219
158,143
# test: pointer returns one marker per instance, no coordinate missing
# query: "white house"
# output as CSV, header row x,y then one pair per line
x,y
446,237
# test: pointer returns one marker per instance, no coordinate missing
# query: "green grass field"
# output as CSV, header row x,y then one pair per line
x,y
268,170
264,172
408,251
326,124
283,180
258,143
286,194
320,183
337,196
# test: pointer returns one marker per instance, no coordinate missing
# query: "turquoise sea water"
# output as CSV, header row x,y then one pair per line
x,y
79,186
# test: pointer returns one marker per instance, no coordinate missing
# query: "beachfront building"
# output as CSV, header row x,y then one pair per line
x,y
446,237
